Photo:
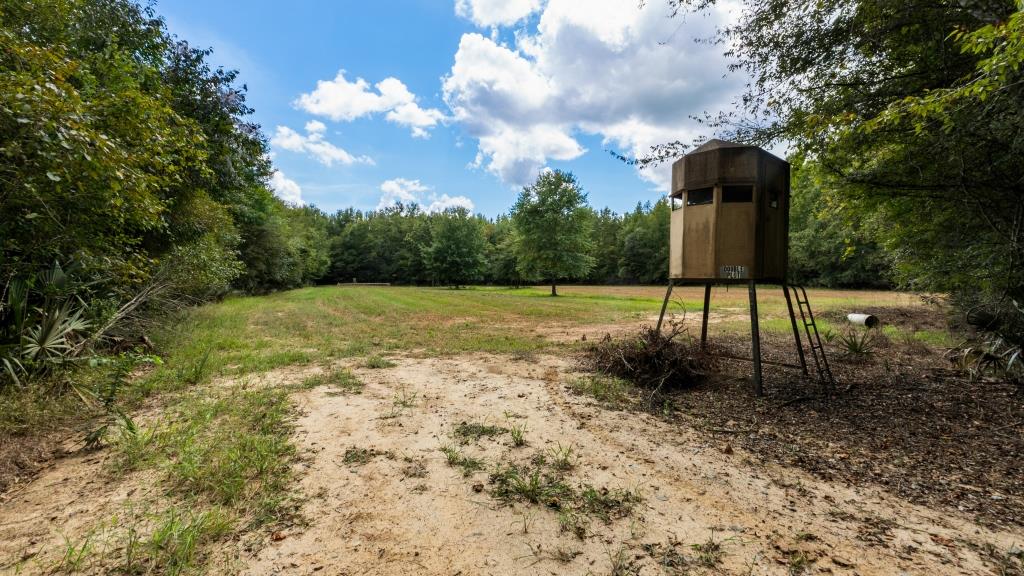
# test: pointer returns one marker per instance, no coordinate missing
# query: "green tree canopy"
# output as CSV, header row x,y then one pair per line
x,y
500,253
645,242
455,255
130,162
553,229
830,243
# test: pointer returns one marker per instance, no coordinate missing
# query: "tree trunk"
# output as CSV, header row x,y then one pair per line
x,y
553,291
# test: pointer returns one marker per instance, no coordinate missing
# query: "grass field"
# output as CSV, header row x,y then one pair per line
x,y
218,440
253,334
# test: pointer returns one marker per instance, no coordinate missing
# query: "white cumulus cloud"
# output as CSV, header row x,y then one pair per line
x,y
286,189
314,144
401,190
315,127
487,13
627,74
344,101
444,202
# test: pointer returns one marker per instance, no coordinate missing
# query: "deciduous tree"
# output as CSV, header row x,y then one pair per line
x,y
553,227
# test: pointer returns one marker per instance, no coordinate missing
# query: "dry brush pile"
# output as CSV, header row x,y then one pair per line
x,y
659,361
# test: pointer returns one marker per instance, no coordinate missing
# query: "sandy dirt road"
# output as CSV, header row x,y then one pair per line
x,y
405,511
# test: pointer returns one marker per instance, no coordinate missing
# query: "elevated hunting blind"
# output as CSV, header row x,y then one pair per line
x,y
730,225
730,214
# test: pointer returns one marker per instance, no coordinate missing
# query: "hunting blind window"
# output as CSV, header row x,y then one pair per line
x,y
700,196
737,194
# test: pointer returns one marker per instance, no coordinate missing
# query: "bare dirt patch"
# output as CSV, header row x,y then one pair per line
x,y
910,318
68,501
701,504
22,457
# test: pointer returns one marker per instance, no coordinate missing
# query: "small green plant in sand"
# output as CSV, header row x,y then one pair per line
x,y
467,432
456,459
359,456
378,362
562,458
608,390
341,379
516,431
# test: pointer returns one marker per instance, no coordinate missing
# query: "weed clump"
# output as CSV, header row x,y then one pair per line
x,y
607,504
378,363
340,379
467,432
516,431
666,360
514,483
456,459
610,391
547,487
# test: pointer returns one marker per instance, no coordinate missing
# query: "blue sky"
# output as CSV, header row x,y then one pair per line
x,y
462,101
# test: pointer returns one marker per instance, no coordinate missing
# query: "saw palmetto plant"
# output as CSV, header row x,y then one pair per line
x,y
41,320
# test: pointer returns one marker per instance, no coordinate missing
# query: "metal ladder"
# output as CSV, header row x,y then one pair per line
x,y
811,328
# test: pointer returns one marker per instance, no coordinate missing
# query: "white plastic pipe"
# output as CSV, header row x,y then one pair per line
x,y
863,319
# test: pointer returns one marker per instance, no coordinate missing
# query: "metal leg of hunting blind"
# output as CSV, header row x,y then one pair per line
x,y
704,319
796,331
755,339
664,305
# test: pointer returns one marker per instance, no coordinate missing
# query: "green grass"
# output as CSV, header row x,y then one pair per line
x,y
934,338
223,455
562,458
256,334
607,390
230,449
709,553
174,543
359,456
171,542
518,434
534,485
76,554
244,335
547,486
606,504
400,402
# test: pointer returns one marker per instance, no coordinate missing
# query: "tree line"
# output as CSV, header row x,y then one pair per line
x,y
551,234
405,245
